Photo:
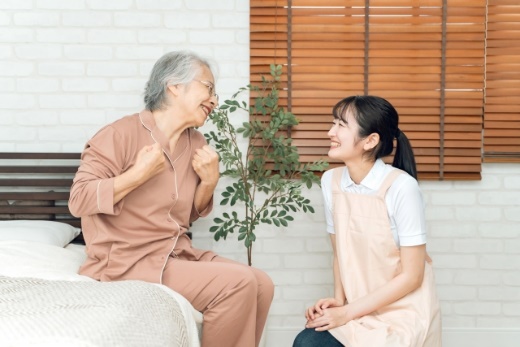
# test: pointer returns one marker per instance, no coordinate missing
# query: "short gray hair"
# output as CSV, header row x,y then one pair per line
x,y
179,67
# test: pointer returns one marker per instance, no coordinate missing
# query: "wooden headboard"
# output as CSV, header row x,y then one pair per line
x,y
37,186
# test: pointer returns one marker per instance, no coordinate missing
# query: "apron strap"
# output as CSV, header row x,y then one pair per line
x,y
390,178
336,184
336,179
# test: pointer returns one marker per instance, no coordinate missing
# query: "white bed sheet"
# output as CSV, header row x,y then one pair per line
x,y
48,262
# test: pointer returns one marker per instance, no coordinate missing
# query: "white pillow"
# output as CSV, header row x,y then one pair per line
x,y
42,231
39,260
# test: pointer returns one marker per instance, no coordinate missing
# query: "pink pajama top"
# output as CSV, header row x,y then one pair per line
x,y
134,238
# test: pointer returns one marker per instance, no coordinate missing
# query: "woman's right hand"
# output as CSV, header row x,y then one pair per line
x,y
317,310
149,162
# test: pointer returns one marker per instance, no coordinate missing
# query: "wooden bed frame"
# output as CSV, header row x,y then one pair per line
x,y
37,186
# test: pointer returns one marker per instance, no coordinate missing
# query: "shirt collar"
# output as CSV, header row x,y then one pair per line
x,y
372,180
148,122
147,119
183,143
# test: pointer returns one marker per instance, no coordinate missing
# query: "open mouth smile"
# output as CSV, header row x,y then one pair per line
x,y
206,109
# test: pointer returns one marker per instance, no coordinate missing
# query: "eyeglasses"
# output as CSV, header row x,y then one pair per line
x,y
211,88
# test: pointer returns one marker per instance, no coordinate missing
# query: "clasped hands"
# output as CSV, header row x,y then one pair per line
x,y
326,314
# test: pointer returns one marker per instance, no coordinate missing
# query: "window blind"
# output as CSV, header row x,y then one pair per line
x,y
502,102
425,57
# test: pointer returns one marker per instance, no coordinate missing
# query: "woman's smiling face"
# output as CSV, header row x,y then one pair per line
x,y
198,97
345,142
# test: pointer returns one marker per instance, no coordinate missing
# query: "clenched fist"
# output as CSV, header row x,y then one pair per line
x,y
205,164
149,161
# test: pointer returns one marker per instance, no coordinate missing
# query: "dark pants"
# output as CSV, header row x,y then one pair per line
x,y
313,338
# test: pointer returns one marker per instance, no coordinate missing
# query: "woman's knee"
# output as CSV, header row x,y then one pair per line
x,y
245,280
305,338
265,283
312,338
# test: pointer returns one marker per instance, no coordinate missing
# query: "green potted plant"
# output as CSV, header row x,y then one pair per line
x,y
267,177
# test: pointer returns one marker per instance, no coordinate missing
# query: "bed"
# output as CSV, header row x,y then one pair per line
x,y
43,299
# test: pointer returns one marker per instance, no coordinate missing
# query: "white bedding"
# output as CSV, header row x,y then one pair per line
x,y
28,265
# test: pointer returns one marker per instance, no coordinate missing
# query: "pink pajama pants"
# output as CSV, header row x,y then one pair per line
x,y
233,297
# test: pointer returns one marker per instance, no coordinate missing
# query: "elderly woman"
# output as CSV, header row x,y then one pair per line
x,y
142,181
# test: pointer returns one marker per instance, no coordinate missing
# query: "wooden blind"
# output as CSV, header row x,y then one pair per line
x,y
425,57
502,108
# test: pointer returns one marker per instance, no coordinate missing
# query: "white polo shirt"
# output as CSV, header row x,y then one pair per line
x,y
403,199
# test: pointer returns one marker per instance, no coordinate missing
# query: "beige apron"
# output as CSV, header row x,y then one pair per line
x,y
368,258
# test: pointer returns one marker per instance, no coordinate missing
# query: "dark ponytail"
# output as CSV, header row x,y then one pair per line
x,y
404,158
376,115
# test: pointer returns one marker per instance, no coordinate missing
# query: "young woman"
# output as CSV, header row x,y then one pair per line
x,y
142,181
384,290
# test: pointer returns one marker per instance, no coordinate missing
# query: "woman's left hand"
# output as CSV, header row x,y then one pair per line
x,y
205,164
331,317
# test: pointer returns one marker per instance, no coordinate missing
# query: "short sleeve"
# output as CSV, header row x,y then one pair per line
x,y
326,189
408,211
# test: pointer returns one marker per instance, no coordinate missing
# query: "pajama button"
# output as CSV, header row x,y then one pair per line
x,y
169,220
174,196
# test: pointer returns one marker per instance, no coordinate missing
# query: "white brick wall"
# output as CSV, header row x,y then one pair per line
x,y
69,67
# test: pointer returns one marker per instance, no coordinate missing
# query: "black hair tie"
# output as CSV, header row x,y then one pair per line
x,y
398,133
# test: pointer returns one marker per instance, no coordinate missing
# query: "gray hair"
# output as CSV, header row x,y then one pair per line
x,y
172,68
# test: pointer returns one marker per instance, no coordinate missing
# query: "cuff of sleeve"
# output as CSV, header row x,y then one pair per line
x,y
414,240
207,210
105,197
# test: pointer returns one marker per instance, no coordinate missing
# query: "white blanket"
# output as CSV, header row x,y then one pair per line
x,y
44,302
